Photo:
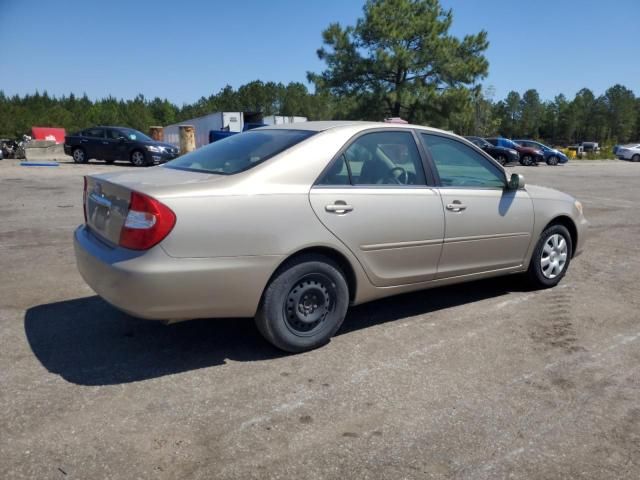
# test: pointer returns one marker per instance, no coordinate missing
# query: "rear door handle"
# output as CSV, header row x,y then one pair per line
x,y
456,206
338,207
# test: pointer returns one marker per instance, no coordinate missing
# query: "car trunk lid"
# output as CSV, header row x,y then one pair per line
x,y
107,197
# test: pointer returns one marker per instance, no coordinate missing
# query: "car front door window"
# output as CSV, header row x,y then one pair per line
x,y
460,166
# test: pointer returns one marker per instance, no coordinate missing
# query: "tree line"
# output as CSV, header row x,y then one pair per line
x,y
400,60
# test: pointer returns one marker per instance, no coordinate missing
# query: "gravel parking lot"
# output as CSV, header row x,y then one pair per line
x,y
479,381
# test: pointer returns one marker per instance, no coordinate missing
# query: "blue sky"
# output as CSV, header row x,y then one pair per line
x,y
185,50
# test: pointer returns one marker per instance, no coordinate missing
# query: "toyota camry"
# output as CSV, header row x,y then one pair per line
x,y
292,224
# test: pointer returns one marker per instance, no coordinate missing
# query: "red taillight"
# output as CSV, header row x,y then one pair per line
x,y
84,200
147,224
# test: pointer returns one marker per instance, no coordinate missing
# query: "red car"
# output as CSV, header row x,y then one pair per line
x,y
528,156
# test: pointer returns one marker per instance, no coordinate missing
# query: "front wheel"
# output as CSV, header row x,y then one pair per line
x,y
526,160
635,158
138,159
304,304
502,160
553,160
551,257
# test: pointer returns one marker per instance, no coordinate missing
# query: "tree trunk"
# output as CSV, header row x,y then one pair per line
x,y
157,133
187,138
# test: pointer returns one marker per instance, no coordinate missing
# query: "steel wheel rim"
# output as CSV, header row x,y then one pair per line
x,y
138,159
554,256
308,304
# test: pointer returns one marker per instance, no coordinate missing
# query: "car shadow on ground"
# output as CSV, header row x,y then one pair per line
x,y
88,342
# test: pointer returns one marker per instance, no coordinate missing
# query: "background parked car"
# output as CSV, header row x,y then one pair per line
x,y
590,146
629,152
528,156
503,155
551,155
117,143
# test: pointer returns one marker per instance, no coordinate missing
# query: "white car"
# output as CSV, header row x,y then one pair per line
x,y
629,152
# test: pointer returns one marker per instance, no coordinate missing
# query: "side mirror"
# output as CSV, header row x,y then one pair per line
x,y
516,181
122,139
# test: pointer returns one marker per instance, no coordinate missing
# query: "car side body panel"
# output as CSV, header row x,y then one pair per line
x,y
395,232
492,232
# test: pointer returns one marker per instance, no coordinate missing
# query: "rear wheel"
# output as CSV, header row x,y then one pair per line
x,y
304,304
502,160
553,160
138,158
635,158
79,155
551,257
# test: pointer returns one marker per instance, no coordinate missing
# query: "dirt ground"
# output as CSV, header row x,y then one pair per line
x,y
485,380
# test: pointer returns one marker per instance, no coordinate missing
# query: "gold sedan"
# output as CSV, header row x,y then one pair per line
x,y
292,224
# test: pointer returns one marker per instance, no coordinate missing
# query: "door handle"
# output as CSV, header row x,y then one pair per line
x,y
105,143
456,206
84,141
338,207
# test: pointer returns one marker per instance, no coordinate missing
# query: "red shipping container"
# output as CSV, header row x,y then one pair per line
x,y
48,133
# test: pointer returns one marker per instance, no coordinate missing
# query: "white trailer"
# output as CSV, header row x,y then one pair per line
x,y
230,121
282,120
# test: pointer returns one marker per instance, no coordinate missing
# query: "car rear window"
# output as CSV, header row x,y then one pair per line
x,y
240,152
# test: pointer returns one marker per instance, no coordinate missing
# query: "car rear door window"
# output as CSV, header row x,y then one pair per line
x,y
460,166
378,158
94,133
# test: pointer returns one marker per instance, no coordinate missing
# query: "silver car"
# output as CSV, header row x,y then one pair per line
x,y
292,224
629,152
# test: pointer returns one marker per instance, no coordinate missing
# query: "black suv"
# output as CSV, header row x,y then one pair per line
x,y
117,143
502,154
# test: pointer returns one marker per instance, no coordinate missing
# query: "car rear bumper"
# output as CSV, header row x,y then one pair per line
x,y
154,285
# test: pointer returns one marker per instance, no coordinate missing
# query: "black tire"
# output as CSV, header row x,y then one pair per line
x,y
502,160
553,160
79,155
635,158
304,304
109,162
526,160
536,273
138,158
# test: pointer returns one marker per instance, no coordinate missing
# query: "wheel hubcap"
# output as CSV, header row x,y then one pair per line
x,y
308,303
137,158
78,155
554,256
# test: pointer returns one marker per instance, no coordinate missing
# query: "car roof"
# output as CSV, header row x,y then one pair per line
x,y
321,126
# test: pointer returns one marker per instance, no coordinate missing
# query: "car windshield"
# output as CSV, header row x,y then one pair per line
x,y
239,152
132,134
